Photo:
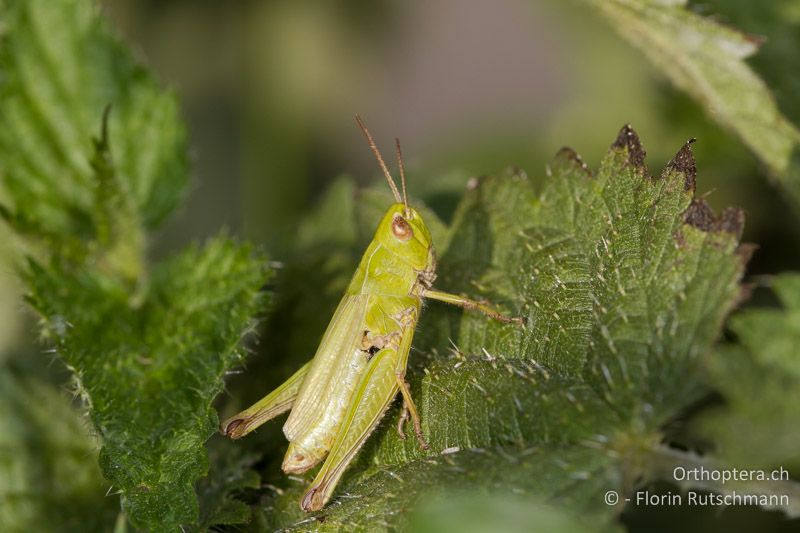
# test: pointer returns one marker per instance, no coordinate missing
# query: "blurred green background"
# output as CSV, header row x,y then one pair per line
x,y
269,90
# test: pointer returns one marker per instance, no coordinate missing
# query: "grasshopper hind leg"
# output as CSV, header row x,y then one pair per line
x,y
273,404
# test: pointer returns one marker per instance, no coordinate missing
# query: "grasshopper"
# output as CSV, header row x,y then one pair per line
x,y
338,398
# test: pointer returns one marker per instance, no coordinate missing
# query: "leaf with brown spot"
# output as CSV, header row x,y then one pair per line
x,y
708,61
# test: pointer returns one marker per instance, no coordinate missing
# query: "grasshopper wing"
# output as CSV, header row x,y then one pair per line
x,y
377,388
332,377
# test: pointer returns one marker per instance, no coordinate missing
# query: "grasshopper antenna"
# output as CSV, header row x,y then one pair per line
x,y
377,153
402,172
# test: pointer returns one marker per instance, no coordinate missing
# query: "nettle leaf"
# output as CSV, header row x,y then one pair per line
x,y
777,26
489,511
410,495
150,366
61,68
759,377
707,60
230,474
49,478
148,347
625,279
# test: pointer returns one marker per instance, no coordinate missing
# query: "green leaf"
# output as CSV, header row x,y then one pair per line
x,y
49,479
61,68
568,477
230,473
759,378
499,511
625,279
707,60
776,25
149,366
148,348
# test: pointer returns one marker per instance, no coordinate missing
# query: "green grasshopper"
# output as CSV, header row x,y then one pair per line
x,y
338,398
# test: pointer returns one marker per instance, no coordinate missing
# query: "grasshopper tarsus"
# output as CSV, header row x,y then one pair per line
x,y
518,320
423,444
308,504
402,422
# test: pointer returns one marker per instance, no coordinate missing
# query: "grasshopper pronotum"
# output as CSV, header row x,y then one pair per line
x,y
338,398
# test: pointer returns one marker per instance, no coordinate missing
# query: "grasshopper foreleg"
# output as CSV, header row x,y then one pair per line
x,y
475,305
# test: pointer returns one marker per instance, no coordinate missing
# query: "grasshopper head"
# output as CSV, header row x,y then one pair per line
x,y
403,231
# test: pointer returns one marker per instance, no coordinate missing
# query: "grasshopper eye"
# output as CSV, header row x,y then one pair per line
x,y
401,228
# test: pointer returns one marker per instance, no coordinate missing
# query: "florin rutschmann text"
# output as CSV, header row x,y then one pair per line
x,y
704,499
